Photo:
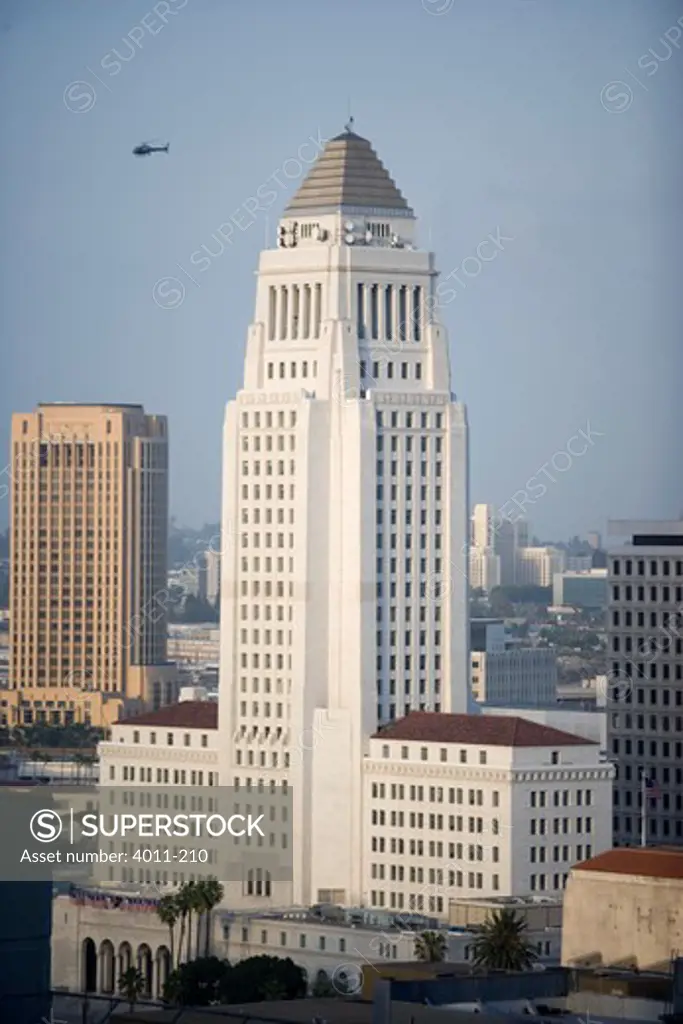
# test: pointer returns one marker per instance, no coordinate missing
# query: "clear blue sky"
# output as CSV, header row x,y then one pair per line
x,y
488,115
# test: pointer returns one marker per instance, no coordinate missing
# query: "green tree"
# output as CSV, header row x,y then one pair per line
x,y
501,943
131,986
260,978
431,947
198,983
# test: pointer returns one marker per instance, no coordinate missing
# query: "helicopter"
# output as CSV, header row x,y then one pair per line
x,y
145,149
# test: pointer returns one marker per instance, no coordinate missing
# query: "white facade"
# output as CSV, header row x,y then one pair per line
x,y
484,569
496,764
344,597
487,807
538,566
210,575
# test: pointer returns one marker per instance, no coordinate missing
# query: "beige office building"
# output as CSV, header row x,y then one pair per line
x,y
89,515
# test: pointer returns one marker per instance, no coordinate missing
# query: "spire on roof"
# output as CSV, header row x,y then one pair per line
x,y
347,174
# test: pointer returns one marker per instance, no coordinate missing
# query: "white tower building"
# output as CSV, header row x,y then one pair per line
x,y
344,597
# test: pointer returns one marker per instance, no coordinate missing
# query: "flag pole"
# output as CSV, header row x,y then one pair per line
x,y
643,808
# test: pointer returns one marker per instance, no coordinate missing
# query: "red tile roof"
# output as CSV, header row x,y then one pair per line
x,y
484,730
188,714
648,861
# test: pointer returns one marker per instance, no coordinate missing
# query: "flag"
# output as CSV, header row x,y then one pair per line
x,y
653,789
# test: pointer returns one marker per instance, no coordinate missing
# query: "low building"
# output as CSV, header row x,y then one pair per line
x,y
585,589
516,677
194,644
624,907
507,675
478,805
98,932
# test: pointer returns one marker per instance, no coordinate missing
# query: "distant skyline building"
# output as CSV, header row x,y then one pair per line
x,y
645,673
344,602
494,545
210,576
587,589
88,548
538,566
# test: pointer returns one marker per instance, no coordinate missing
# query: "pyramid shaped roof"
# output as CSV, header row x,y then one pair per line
x,y
348,174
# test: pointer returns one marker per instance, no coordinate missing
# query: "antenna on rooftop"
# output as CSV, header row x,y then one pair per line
x,y
348,127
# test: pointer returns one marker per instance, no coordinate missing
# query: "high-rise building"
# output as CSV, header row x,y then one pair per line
x,y
484,569
483,526
595,540
538,566
645,680
209,575
344,601
89,520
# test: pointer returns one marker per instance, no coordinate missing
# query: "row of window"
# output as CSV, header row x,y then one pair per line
x,y
653,594
268,420
164,776
663,619
540,826
622,692
435,822
323,943
433,876
647,645
655,749
537,854
409,420
390,493
385,368
418,903
301,369
294,311
541,883
628,773
665,802
561,798
434,794
655,723
643,567
655,828
389,312
170,738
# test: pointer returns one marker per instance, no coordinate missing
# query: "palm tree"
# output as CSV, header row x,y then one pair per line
x,y
197,905
182,902
431,947
168,912
212,893
501,943
131,986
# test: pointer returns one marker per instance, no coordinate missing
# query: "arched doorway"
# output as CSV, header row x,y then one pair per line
x,y
88,966
163,969
145,968
125,958
107,980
